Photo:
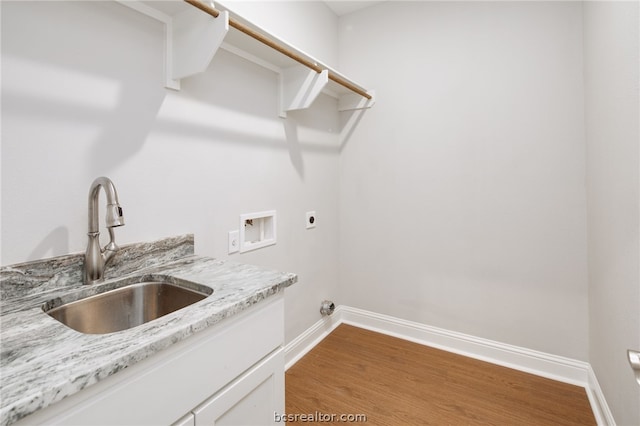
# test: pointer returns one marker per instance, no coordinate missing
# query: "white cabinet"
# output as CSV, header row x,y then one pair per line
x,y
252,399
188,420
231,373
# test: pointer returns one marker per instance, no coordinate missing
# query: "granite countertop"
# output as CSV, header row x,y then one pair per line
x,y
43,361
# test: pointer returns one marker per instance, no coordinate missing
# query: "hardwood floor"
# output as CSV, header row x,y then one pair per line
x,y
396,382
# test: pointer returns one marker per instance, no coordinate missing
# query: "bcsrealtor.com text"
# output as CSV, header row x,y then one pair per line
x,y
319,417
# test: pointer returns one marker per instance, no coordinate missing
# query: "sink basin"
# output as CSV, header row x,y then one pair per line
x,y
126,307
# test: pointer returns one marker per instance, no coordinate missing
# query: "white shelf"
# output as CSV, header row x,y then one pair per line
x,y
193,37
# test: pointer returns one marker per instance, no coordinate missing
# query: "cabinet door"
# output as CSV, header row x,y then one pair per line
x,y
253,399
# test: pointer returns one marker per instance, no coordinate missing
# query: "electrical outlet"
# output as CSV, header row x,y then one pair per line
x,y
311,220
234,241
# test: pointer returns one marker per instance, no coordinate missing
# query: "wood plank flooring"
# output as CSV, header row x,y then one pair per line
x,y
395,382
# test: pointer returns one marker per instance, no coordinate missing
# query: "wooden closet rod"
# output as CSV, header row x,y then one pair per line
x,y
265,40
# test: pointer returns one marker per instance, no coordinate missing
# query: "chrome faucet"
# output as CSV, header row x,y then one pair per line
x,y
95,259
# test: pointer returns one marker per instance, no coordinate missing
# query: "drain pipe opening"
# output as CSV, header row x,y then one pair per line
x,y
327,307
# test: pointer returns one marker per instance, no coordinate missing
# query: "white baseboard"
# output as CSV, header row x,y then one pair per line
x,y
302,344
542,364
554,367
598,403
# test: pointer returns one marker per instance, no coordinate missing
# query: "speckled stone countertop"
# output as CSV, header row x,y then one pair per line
x,y
43,361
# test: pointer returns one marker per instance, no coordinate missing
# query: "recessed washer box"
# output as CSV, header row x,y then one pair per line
x,y
257,230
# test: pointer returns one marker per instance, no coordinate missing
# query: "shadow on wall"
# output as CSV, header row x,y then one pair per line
x,y
241,97
291,133
125,128
349,120
60,73
57,241
122,127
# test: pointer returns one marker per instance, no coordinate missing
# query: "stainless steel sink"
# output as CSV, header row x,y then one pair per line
x,y
126,307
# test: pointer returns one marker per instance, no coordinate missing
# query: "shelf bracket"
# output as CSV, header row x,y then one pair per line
x,y
299,87
193,38
352,101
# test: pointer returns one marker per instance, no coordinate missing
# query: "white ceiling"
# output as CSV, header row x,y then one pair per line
x,y
343,7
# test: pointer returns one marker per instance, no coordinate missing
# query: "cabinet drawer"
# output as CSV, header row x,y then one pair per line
x,y
252,399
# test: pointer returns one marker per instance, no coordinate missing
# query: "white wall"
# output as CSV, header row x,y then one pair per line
x,y
612,80
462,201
83,96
